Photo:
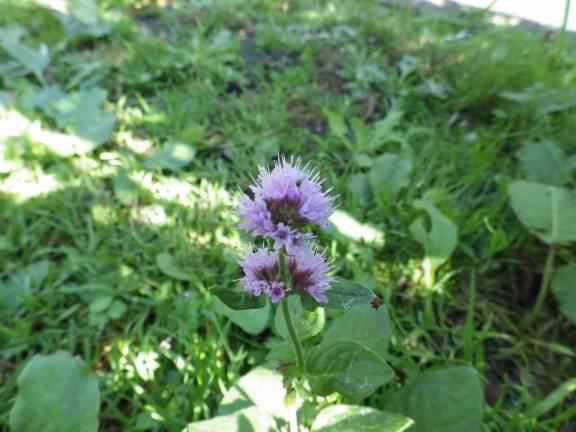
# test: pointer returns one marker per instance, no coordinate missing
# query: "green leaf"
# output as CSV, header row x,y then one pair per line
x,y
351,418
260,387
252,321
251,419
564,290
168,266
116,310
34,61
307,323
545,162
439,242
238,299
363,325
56,393
348,368
125,189
100,304
173,157
80,114
547,211
389,175
20,286
444,400
344,294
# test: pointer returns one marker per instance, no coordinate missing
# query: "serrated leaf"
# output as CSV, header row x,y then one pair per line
x,y
544,162
547,211
252,321
348,368
564,290
390,173
352,418
56,393
344,294
306,323
174,156
251,419
363,325
168,266
444,400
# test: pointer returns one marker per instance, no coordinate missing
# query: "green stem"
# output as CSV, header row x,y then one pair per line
x,y
288,316
293,336
566,15
543,292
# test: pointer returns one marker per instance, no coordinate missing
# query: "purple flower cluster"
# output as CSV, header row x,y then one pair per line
x,y
285,201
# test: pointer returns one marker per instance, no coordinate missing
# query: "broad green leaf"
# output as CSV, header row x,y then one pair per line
x,y
352,418
439,241
174,156
100,304
238,299
547,211
347,368
116,310
389,174
260,387
307,323
564,290
444,400
15,291
125,189
252,321
345,294
168,266
251,419
544,162
56,393
363,325
34,61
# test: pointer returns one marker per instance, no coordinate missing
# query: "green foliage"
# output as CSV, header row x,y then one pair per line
x,y
547,211
563,289
348,418
307,323
545,163
439,241
346,294
56,393
252,321
390,173
351,357
444,400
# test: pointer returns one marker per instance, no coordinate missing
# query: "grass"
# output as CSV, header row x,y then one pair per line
x,y
112,254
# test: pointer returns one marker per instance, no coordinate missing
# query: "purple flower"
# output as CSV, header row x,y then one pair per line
x,y
283,202
307,269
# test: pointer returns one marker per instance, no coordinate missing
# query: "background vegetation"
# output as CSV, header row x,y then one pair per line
x,y
129,128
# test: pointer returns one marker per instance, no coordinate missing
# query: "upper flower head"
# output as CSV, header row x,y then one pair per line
x,y
308,272
285,200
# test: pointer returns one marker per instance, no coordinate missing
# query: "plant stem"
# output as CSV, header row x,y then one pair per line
x,y
285,274
542,293
293,336
566,15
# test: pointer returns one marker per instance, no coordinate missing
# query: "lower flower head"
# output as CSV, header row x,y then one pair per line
x,y
307,270
283,201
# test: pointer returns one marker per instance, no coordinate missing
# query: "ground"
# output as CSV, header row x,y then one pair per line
x,y
128,136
